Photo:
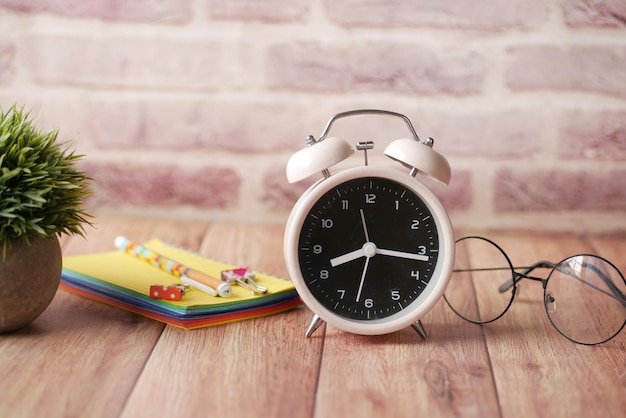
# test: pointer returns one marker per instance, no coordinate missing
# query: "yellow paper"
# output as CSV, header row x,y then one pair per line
x,y
123,270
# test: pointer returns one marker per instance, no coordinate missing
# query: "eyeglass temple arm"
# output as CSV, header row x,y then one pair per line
x,y
617,293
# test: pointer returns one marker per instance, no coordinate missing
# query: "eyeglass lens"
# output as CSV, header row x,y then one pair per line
x,y
480,268
584,299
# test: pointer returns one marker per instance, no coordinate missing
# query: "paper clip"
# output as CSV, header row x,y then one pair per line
x,y
171,292
244,277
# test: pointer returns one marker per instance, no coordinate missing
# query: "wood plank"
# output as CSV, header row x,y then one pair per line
x,y
539,372
100,237
259,367
82,358
613,248
401,375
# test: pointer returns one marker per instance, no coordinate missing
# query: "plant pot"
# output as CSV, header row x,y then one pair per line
x,y
29,278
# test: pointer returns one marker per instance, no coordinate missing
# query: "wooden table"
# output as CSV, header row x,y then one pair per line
x,y
85,359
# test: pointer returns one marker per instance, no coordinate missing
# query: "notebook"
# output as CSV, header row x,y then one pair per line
x,y
121,280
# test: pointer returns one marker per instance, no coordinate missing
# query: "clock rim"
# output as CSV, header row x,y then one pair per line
x,y
431,294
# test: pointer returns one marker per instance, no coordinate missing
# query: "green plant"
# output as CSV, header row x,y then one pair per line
x,y
41,193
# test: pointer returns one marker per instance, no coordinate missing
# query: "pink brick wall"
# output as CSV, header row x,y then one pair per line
x,y
191,108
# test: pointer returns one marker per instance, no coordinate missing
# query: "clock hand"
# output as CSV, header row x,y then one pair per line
x,y
358,295
367,238
402,254
353,255
368,250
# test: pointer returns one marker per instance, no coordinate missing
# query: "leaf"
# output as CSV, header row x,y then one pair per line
x,y
9,174
36,195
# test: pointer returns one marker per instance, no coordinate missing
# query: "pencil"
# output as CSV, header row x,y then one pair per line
x,y
194,278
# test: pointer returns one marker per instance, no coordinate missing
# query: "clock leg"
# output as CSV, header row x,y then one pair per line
x,y
314,325
419,328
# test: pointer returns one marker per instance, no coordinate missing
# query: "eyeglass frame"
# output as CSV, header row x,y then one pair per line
x,y
518,276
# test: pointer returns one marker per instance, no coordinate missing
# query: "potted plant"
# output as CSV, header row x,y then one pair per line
x,y
41,197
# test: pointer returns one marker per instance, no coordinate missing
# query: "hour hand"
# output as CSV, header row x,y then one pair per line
x,y
353,255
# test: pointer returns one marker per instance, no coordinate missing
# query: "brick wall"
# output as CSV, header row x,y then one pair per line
x,y
191,108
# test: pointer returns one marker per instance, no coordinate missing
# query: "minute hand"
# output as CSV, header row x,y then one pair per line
x,y
402,254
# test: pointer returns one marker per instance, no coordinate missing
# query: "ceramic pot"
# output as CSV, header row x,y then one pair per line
x,y
29,278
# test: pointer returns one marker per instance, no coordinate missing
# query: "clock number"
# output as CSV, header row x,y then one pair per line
x,y
370,198
421,250
323,274
397,203
369,303
344,204
341,292
415,274
317,249
415,224
395,295
327,223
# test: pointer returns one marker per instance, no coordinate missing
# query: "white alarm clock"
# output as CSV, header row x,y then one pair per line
x,y
370,249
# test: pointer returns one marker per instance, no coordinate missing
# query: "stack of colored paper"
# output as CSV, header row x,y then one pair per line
x,y
121,280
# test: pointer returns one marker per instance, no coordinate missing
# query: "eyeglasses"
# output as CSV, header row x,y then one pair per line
x,y
584,295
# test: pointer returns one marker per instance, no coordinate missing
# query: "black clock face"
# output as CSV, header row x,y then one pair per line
x,y
368,248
